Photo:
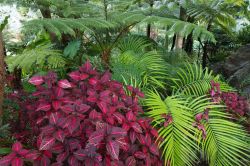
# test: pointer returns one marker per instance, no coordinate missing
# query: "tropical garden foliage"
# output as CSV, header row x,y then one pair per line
x,y
123,83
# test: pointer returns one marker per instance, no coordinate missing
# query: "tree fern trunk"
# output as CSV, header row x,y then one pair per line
x,y
2,74
106,57
173,42
189,44
205,48
151,3
179,37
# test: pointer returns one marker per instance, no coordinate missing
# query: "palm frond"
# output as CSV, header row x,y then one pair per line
x,y
226,143
144,69
178,145
194,80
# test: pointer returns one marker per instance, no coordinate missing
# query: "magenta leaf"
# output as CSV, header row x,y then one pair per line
x,y
36,80
62,157
123,143
74,123
17,146
45,161
72,161
113,149
84,76
140,155
132,136
80,154
75,75
118,132
56,104
198,117
31,155
130,161
44,107
103,107
5,161
154,149
93,81
130,116
119,117
17,162
59,135
136,127
47,143
53,118
96,137
64,84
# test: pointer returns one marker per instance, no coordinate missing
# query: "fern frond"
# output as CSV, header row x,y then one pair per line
x,y
41,56
59,26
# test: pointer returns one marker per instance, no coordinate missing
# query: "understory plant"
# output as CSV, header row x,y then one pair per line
x,y
195,122
87,119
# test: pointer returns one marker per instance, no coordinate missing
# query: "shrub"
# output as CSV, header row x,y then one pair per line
x,y
86,120
237,105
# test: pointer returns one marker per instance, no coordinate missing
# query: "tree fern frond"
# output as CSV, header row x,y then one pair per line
x,y
59,26
182,27
41,56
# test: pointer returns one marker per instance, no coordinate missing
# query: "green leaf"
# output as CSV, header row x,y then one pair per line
x,y
71,49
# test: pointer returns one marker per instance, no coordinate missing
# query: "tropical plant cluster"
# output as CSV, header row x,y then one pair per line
x,y
87,120
123,83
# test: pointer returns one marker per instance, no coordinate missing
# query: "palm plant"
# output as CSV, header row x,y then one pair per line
x,y
135,66
190,123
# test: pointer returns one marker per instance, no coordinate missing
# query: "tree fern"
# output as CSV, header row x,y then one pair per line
x,y
43,56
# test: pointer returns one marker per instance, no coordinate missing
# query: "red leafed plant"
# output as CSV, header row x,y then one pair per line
x,y
237,105
87,119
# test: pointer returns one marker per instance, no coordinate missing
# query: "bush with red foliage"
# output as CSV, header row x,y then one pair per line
x,y
86,120
237,105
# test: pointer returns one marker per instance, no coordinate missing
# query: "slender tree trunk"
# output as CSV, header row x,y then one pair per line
x,y
2,74
106,57
189,44
148,30
179,37
149,25
205,48
173,42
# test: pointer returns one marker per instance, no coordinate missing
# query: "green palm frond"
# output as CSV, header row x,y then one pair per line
x,y
178,145
192,79
144,69
227,142
133,43
41,56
